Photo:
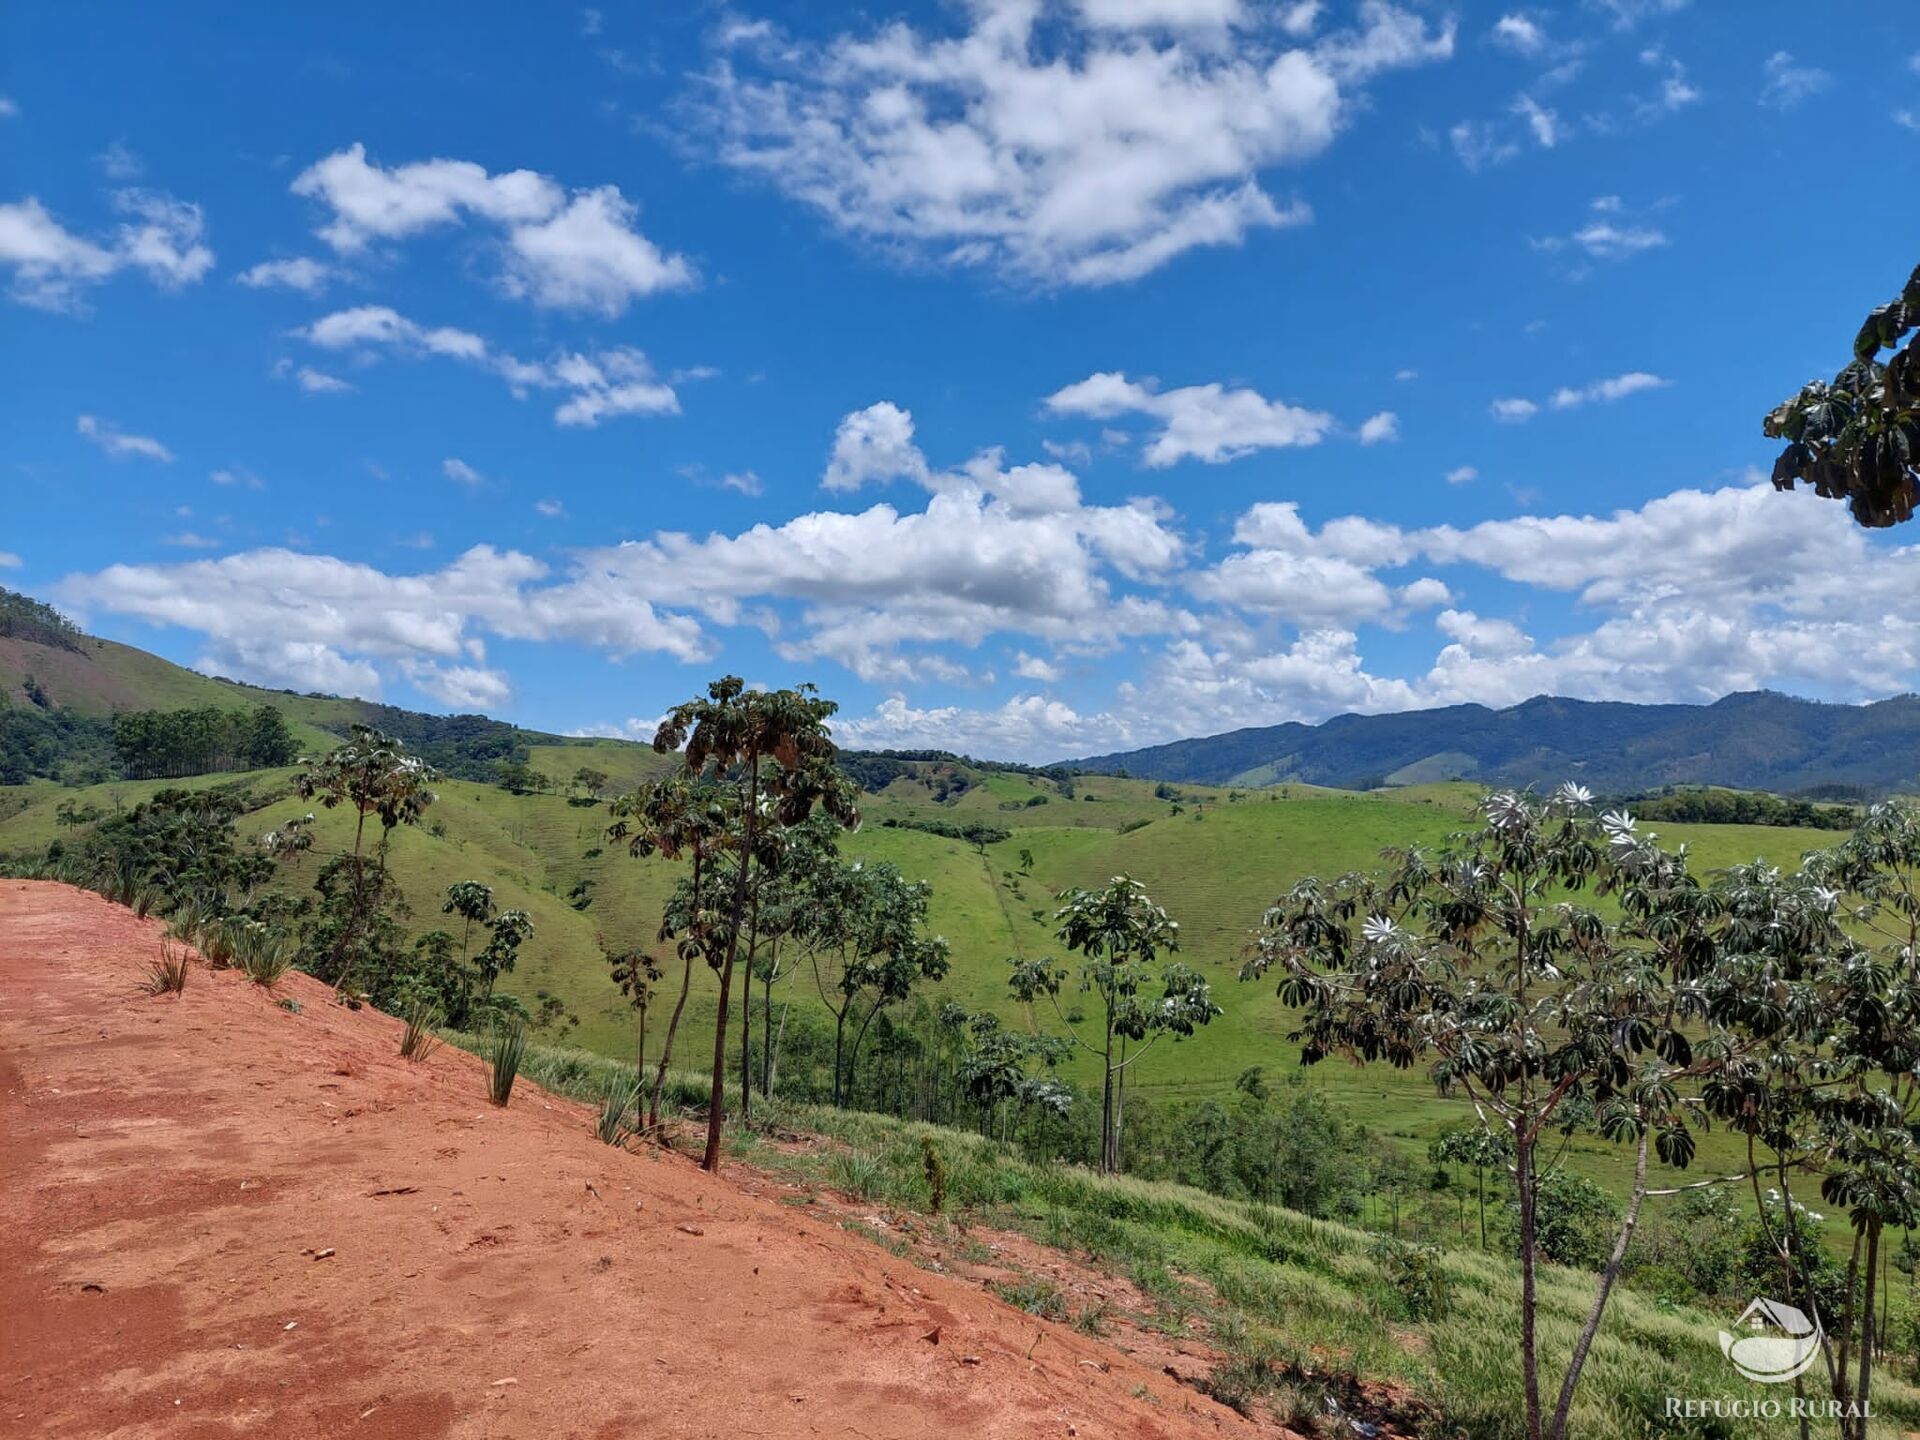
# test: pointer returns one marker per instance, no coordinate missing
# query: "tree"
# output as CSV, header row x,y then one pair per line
x,y
1825,973
637,975
775,747
1858,438
1121,932
1472,1145
869,918
373,773
1481,961
590,781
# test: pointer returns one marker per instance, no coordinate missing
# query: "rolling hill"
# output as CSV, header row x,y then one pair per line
x,y
1215,855
1756,740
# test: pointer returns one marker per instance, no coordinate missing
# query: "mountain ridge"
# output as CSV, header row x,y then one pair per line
x,y
1754,740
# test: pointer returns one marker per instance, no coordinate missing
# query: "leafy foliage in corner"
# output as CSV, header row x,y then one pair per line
x,y
1858,438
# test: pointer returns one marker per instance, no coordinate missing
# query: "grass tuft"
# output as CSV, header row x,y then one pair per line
x,y
621,1095
417,1040
168,974
506,1047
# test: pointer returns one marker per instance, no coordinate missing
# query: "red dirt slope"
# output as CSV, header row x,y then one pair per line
x,y
220,1218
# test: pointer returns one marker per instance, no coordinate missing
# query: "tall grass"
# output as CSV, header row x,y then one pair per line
x,y
168,974
506,1047
262,953
417,1040
621,1095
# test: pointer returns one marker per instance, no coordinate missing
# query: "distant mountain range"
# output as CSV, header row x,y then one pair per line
x,y
1756,740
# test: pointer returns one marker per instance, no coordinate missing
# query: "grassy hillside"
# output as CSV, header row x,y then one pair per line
x,y
1215,864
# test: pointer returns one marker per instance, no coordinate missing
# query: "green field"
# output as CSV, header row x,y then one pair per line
x,y
1215,865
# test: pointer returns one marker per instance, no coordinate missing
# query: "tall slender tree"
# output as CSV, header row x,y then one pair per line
x,y
1120,932
775,747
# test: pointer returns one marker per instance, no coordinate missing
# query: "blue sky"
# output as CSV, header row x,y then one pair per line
x,y
1037,378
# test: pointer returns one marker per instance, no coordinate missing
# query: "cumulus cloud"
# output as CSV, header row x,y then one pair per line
x,y
52,267
1376,429
118,444
561,250
874,446
461,473
600,386
1518,34
1203,422
1058,144
302,273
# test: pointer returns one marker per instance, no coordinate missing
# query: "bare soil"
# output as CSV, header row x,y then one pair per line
x,y
220,1217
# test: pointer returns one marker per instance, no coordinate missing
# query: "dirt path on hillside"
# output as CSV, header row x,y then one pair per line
x,y
222,1218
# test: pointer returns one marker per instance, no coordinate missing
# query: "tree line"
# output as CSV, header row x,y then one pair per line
x,y
171,744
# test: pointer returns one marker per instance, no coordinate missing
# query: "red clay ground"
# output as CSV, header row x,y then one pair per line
x,y
220,1218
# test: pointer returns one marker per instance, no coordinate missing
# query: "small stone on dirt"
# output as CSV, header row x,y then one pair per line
x,y
690,1229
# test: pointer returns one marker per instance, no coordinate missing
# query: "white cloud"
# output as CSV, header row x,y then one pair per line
x,y
190,540
1406,374
319,382
577,251
600,386
1479,145
1204,422
10,561
1032,667
1787,84
874,446
1543,122
461,473
118,444
1518,34
118,162
238,475
1607,391
1462,475
1054,150
1515,410
52,267
301,273
1377,428
743,482
461,687
7,108
550,509
1166,14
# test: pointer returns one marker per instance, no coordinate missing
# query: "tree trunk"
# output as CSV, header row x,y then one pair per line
x,y
1483,1207
766,1025
1607,1277
839,1031
1106,1102
746,1022
666,1046
1529,1356
353,920
1859,1421
717,1101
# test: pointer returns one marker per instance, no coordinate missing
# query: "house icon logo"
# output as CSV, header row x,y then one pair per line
x,y
1780,1344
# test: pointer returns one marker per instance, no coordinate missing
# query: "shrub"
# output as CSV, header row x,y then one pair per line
x,y
505,1048
936,1172
216,941
860,1174
187,919
146,899
168,974
417,1041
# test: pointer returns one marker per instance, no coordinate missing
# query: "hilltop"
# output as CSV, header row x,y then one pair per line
x,y
1757,740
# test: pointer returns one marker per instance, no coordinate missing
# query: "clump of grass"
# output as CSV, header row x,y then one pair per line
x,y
263,953
418,1041
187,920
217,941
859,1173
506,1047
621,1095
168,974
1033,1295
146,899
